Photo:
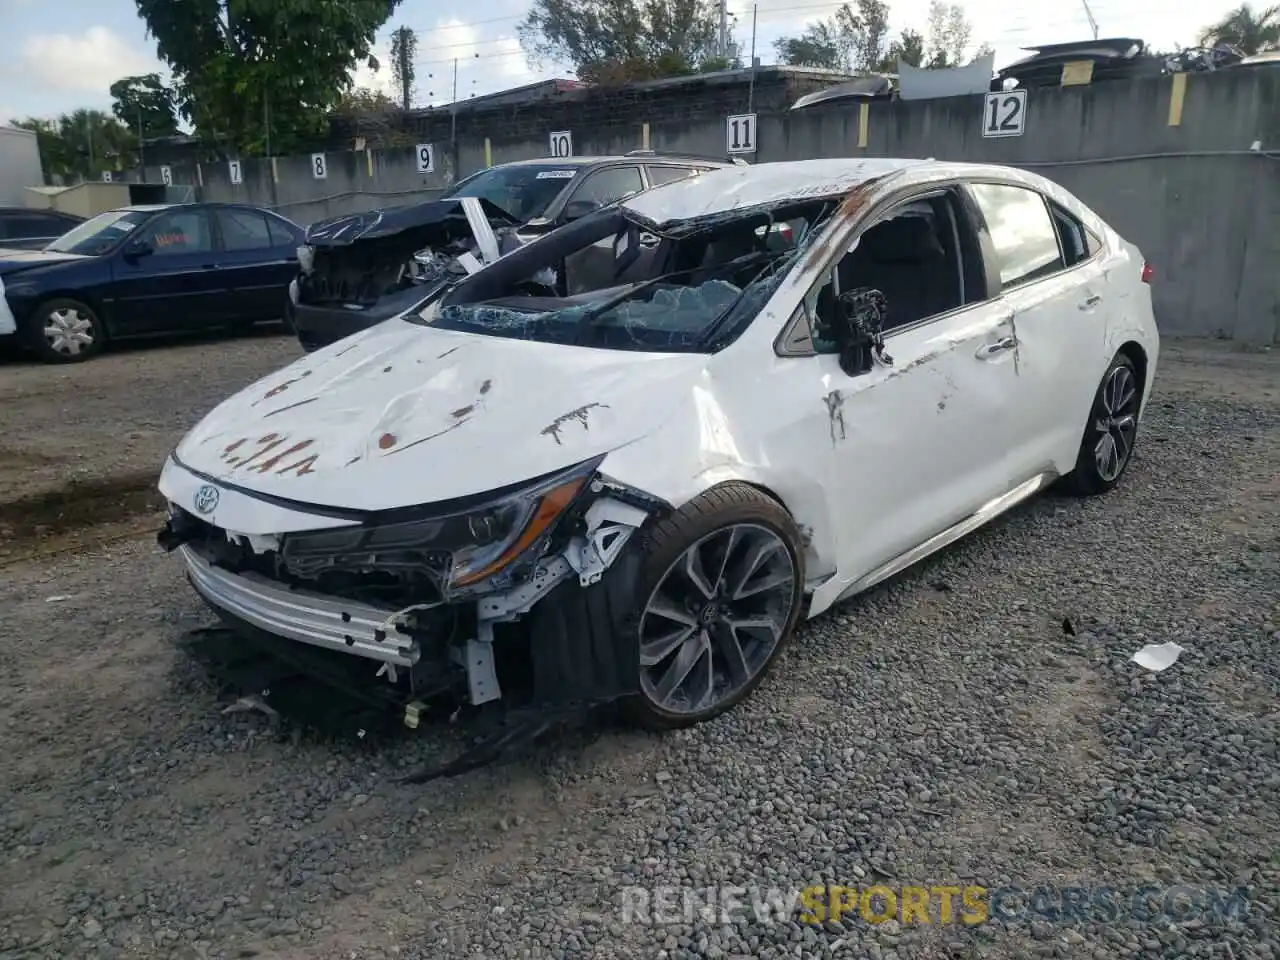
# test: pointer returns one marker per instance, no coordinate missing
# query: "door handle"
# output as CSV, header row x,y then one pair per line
x,y
989,350
1088,303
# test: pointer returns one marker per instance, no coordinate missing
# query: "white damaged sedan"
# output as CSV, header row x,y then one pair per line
x,y
800,379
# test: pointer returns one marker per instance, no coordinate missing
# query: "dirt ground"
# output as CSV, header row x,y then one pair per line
x,y
136,820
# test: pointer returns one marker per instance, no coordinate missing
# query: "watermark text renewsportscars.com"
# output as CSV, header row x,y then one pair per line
x,y
964,904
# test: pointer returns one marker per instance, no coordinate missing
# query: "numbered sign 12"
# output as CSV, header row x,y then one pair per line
x,y
234,169
166,176
740,133
1005,114
426,158
319,169
562,143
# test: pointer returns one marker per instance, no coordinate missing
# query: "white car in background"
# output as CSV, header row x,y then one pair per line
x,y
633,494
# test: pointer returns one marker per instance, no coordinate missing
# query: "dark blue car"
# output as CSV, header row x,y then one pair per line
x,y
146,270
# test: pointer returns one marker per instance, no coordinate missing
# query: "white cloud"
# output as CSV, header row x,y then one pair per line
x,y
88,62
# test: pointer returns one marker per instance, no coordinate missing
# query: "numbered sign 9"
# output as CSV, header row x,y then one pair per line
x,y
426,158
319,169
562,143
233,168
106,176
166,176
740,133
1005,114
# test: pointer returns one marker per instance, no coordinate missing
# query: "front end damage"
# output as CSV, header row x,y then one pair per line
x,y
513,603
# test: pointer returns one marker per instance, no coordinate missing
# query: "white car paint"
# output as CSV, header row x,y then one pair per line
x,y
8,324
875,468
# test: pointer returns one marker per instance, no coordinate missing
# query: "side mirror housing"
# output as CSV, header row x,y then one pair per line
x,y
860,317
137,248
577,209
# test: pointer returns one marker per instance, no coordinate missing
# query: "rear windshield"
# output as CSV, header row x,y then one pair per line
x,y
524,191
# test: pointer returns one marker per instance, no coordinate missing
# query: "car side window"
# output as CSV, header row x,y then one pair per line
x,y
280,235
24,226
665,174
1022,232
610,184
244,230
1073,237
182,231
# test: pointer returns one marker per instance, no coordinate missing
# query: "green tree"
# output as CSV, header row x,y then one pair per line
x,y
55,153
374,117
619,41
147,104
1243,28
948,34
404,44
253,74
82,144
853,38
908,49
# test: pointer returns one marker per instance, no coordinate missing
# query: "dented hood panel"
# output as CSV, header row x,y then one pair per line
x,y
404,414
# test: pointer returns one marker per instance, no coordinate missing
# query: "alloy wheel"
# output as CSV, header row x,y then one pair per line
x,y
1117,425
715,618
69,331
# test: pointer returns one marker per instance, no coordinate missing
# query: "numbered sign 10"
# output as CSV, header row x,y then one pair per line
x,y
562,144
319,168
426,158
1005,114
237,175
740,134
166,176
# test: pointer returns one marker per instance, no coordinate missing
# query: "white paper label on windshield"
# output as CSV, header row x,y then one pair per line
x,y
556,174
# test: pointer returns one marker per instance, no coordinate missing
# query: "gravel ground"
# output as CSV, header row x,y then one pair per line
x,y
974,722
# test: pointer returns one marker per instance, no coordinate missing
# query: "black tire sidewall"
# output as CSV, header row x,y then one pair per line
x,y
667,538
1085,477
34,332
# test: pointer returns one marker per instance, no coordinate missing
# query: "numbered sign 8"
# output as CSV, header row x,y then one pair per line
x,y
319,169
740,134
106,176
166,176
562,144
1005,114
426,158
234,169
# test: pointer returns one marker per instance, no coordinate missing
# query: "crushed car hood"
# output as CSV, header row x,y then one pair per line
x,y
13,261
431,224
405,414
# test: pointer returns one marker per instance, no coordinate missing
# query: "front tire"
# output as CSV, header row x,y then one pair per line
x,y
1111,433
63,330
721,590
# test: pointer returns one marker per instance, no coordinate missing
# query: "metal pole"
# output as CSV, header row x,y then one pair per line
x,y
453,107
724,29
142,162
751,83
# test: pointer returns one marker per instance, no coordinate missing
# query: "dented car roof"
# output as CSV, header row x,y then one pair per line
x,y
733,188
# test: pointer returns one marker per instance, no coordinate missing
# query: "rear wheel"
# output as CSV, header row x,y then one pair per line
x,y
722,588
65,331
1112,431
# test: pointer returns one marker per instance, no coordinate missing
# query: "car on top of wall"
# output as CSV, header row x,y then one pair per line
x,y
147,269
478,219
634,494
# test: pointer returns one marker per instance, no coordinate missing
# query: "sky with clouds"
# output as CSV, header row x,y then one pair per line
x,y
64,54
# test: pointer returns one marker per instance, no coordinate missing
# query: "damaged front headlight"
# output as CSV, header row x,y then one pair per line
x,y
473,551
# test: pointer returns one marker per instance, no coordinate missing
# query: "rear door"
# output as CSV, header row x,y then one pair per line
x,y
177,284
258,261
1055,291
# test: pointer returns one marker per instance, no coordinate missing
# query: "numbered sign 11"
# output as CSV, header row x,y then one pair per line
x,y
233,168
562,144
740,134
166,176
319,169
426,158
1005,114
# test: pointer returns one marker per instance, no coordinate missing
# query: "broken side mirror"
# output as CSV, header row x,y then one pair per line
x,y
860,320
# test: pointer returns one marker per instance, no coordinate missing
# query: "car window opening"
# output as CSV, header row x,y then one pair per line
x,y
610,282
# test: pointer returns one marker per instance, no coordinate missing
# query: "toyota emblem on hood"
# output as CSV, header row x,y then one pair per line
x,y
206,499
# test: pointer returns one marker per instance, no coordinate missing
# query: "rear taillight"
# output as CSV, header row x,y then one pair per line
x,y
1148,272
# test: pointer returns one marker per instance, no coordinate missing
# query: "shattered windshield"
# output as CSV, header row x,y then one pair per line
x,y
688,292
523,190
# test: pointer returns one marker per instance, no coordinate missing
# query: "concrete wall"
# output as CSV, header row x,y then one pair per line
x,y
1171,170
19,164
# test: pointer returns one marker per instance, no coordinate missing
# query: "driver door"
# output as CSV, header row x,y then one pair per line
x,y
179,284
918,443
